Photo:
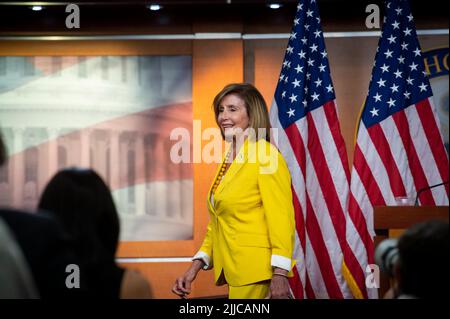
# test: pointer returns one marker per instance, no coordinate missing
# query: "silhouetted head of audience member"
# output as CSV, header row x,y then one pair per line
x,y
82,202
2,151
44,245
423,262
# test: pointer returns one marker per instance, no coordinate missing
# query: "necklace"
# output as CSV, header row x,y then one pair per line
x,y
221,172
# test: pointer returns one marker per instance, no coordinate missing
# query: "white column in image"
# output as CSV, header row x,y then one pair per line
x,y
85,148
160,195
52,160
114,159
139,175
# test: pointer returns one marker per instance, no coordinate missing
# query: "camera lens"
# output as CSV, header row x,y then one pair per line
x,y
386,255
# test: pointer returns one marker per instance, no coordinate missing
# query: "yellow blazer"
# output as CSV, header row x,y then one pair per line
x,y
252,220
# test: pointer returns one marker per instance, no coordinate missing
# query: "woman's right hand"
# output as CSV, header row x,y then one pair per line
x,y
182,286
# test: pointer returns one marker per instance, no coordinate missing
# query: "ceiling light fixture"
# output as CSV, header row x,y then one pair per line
x,y
154,7
274,6
37,8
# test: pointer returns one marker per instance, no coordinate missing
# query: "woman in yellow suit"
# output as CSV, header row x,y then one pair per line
x,y
250,235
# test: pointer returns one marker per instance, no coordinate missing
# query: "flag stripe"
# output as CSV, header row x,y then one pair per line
x,y
372,160
325,180
309,289
399,148
321,252
338,173
361,199
316,236
355,268
370,183
332,219
426,159
299,221
304,245
314,278
382,145
326,124
299,249
430,126
419,179
296,285
362,230
333,123
297,145
361,219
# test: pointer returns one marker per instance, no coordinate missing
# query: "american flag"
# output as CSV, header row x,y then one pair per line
x,y
399,148
309,137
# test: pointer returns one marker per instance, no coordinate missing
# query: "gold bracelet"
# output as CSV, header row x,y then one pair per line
x,y
280,274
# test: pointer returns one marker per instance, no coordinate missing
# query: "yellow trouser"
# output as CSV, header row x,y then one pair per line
x,y
257,290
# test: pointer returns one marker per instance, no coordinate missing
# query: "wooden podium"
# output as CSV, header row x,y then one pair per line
x,y
402,217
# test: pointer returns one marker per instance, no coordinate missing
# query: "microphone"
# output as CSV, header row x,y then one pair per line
x,y
416,202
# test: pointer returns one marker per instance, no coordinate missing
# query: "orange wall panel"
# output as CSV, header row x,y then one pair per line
x,y
95,47
215,64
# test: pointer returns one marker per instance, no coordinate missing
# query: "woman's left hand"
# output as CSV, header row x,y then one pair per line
x,y
279,288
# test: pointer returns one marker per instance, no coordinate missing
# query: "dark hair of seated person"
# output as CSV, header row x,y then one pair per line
x,y
424,260
2,151
45,246
83,204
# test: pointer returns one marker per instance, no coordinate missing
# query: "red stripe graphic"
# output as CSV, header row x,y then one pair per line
x,y
156,123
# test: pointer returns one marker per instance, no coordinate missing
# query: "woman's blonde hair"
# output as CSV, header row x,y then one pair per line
x,y
254,103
